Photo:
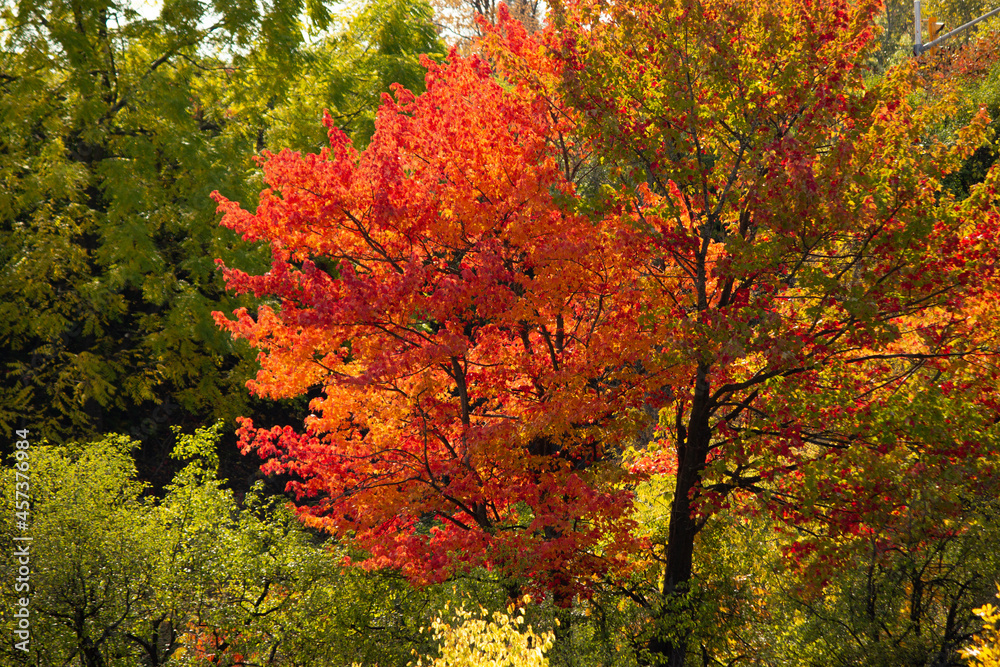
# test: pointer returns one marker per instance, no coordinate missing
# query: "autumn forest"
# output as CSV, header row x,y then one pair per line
x,y
594,333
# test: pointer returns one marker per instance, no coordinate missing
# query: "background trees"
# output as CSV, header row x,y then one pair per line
x,y
91,564
114,130
108,149
194,578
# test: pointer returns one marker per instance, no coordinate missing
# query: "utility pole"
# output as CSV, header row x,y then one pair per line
x,y
918,45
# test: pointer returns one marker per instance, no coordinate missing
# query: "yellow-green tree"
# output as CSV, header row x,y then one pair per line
x,y
198,577
114,129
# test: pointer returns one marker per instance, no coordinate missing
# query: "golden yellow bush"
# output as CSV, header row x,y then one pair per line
x,y
986,651
481,640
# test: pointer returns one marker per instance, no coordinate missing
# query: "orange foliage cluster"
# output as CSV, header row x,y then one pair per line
x,y
477,343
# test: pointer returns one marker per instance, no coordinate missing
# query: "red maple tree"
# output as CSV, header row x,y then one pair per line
x,y
478,343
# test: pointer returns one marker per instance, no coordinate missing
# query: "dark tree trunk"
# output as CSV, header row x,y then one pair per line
x,y
693,440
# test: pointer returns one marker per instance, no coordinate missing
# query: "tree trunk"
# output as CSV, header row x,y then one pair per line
x,y
693,442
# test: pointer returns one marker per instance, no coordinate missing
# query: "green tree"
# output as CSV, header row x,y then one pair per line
x,y
243,581
114,129
349,70
121,580
106,156
91,572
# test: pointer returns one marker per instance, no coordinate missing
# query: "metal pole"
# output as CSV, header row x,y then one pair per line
x,y
941,38
917,29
